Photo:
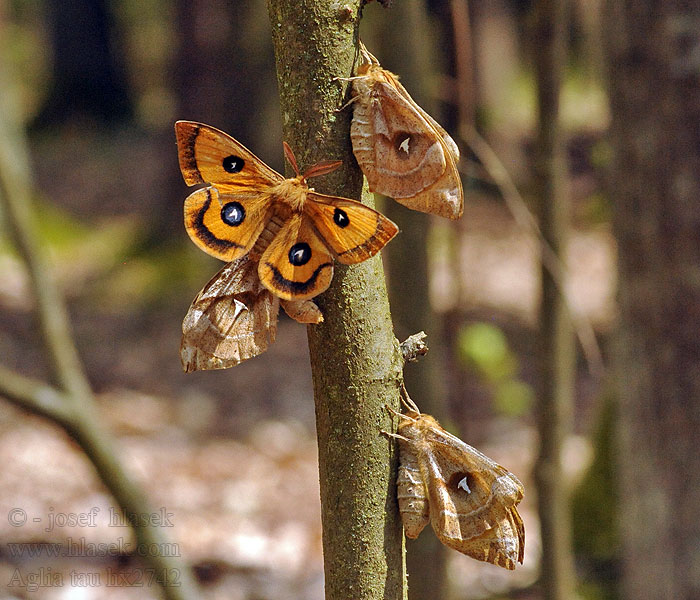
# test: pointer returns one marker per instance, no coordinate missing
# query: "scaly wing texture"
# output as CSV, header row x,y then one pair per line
x,y
402,151
296,265
225,225
353,231
471,498
232,319
208,155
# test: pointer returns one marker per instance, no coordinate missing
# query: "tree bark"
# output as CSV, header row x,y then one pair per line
x,y
557,350
655,134
355,358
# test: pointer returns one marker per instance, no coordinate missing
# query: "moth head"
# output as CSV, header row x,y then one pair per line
x,y
367,61
320,168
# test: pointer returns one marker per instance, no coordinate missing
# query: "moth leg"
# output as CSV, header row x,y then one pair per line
x,y
348,103
394,435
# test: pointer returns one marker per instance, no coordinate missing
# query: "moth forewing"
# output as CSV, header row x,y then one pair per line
x,y
232,319
403,151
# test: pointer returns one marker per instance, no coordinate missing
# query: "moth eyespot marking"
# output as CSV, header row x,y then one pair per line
x,y
340,218
300,254
404,145
233,214
462,485
232,163
462,481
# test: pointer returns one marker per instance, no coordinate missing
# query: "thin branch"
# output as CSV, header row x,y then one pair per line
x,y
414,346
526,221
74,407
34,396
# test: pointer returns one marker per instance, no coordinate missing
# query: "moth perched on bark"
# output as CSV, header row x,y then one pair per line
x,y
298,231
234,318
278,236
403,152
469,499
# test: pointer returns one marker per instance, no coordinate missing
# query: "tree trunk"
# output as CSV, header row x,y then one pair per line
x,y
557,350
88,74
655,92
355,360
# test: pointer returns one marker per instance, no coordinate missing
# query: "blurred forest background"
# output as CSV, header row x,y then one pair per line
x,y
96,86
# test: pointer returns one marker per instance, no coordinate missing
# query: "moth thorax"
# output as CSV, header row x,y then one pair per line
x,y
291,192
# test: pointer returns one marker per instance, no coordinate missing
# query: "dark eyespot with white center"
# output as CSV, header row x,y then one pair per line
x,y
232,163
340,218
403,144
233,213
300,254
462,481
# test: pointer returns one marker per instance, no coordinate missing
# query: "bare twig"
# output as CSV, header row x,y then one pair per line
x,y
414,346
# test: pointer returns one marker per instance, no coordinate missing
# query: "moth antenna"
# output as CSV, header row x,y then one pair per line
x,y
406,399
291,158
367,56
322,168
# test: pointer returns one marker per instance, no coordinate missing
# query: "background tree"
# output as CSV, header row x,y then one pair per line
x,y
88,77
655,134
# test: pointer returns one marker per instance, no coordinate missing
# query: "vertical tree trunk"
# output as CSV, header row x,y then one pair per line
x,y
356,364
655,134
557,350
88,72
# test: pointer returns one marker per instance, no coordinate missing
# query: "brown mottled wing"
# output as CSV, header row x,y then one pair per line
x,y
502,545
402,152
232,319
353,231
471,499
469,495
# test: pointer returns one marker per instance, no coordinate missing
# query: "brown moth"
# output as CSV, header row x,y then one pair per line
x,y
469,499
234,318
403,152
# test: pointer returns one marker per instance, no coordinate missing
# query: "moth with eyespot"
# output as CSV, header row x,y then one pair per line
x,y
469,499
298,231
234,318
404,153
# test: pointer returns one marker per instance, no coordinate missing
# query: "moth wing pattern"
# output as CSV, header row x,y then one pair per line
x,y
232,319
223,223
502,545
471,499
395,146
446,137
403,151
352,231
208,155
296,265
